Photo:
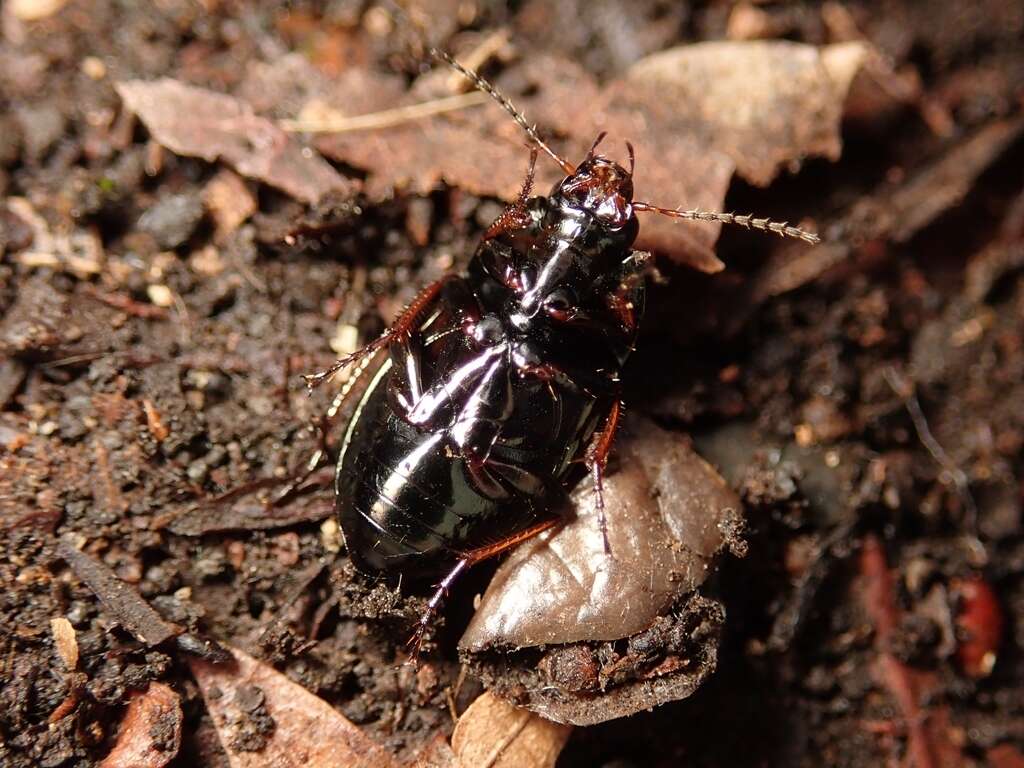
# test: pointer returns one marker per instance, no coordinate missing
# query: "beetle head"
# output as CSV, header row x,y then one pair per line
x,y
601,187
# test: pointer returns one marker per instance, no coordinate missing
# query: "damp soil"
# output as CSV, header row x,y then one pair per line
x,y
151,362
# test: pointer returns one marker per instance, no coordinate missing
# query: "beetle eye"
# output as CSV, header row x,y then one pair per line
x,y
560,305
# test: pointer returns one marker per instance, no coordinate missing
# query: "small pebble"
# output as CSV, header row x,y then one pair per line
x,y
94,68
173,219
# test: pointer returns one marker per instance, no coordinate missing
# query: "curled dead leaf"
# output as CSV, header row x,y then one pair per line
x,y
265,719
667,512
549,631
494,734
150,733
213,126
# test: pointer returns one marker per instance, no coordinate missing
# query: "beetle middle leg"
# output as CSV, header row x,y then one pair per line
x,y
465,561
597,460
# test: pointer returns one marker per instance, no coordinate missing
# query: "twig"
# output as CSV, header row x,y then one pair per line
x,y
477,58
387,117
126,304
904,390
125,604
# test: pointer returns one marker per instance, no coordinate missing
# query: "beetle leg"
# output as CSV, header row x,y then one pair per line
x,y
515,215
597,460
322,424
466,560
406,321
433,605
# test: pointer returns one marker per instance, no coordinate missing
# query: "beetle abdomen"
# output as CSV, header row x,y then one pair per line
x,y
404,501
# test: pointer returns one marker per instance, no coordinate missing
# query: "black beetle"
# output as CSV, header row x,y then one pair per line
x,y
502,383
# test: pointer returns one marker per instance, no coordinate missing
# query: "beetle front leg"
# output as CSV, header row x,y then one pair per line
x,y
597,460
406,321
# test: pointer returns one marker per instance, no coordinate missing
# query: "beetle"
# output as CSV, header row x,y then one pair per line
x,y
498,387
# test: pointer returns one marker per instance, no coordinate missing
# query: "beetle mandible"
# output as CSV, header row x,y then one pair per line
x,y
498,385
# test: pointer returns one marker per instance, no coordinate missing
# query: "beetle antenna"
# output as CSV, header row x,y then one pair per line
x,y
485,86
780,228
598,140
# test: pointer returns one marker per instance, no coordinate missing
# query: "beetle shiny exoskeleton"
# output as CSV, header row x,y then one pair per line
x,y
496,388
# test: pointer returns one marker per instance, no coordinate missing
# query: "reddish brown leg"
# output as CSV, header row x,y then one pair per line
x,y
405,323
465,561
515,214
322,424
597,460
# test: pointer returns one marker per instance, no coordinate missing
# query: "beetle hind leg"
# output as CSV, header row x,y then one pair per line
x,y
433,606
466,559
597,460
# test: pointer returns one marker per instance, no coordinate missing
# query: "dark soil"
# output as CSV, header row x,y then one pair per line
x,y
154,363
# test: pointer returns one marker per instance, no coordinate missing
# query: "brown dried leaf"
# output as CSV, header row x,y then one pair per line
x,y
200,123
417,157
265,720
66,642
695,114
766,105
667,513
496,734
150,730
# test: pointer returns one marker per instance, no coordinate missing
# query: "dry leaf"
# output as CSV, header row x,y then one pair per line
x,y
667,511
200,123
150,732
767,105
494,734
416,158
583,637
263,719
694,114
66,642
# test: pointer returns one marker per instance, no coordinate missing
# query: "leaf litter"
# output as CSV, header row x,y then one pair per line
x,y
695,113
214,126
39,430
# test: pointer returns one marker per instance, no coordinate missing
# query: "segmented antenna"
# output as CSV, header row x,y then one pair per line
x,y
780,228
481,84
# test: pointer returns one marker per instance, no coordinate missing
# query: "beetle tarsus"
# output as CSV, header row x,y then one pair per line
x,y
597,460
415,642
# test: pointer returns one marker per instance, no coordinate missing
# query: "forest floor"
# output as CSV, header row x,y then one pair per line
x,y
166,277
